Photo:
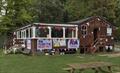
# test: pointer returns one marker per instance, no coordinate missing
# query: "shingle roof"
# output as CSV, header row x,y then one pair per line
x,y
80,21
87,19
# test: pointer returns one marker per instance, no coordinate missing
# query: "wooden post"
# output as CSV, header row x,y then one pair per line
x,y
33,46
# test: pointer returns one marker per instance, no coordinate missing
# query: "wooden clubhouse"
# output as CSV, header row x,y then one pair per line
x,y
90,35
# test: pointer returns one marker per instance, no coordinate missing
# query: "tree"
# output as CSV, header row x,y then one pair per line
x,y
49,11
118,14
77,9
105,8
117,20
17,13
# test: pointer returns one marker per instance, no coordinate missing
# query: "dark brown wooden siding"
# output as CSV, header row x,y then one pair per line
x,y
101,30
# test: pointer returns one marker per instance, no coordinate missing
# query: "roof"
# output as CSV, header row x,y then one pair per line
x,y
70,24
46,24
79,22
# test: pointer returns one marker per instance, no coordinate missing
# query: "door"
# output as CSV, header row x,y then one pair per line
x,y
95,33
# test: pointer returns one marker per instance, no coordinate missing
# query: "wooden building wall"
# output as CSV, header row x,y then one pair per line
x,y
87,41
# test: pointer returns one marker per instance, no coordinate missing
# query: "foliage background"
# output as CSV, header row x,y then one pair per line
x,y
17,13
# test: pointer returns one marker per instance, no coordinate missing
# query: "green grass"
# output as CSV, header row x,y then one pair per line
x,y
46,64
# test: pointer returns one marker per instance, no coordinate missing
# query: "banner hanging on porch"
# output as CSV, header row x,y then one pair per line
x,y
28,44
44,44
73,43
59,42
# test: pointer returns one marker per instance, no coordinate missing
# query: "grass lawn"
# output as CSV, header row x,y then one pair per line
x,y
47,64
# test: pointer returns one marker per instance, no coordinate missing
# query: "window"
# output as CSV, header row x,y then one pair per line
x,y
109,31
57,32
18,34
31,32
22,34
70,32
74,33
27,33
84,30
42,32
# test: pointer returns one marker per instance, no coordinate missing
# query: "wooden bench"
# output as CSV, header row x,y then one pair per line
x,y
96,66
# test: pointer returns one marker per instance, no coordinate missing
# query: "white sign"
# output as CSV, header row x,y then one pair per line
x,y
28,44
44,44
73,43
59,42
109,31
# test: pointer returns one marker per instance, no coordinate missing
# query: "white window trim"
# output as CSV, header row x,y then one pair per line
x,y
76,32
50,32
33,32
29,32
63,32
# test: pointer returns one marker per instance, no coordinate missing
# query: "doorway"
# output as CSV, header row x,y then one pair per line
x,y
95,33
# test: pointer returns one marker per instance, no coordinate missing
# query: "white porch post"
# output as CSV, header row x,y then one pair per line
x,y
63,32
76,32
49,32
33,31
25,34
28,32
22,34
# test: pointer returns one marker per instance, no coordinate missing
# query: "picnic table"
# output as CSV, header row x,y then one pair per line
x,y
96,66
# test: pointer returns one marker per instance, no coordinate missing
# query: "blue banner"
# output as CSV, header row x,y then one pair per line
x,y
73,43
44,44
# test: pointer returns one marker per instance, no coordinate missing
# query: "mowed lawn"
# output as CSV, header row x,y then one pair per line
x,y
47,64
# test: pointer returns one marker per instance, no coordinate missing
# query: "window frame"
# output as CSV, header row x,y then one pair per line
x,y
84,30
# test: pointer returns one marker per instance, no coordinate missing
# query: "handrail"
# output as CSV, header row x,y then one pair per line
x,y
94,43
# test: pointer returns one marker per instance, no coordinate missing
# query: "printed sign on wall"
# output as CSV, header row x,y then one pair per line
x,y
28,44
59,42
73,43
109,31
44,44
